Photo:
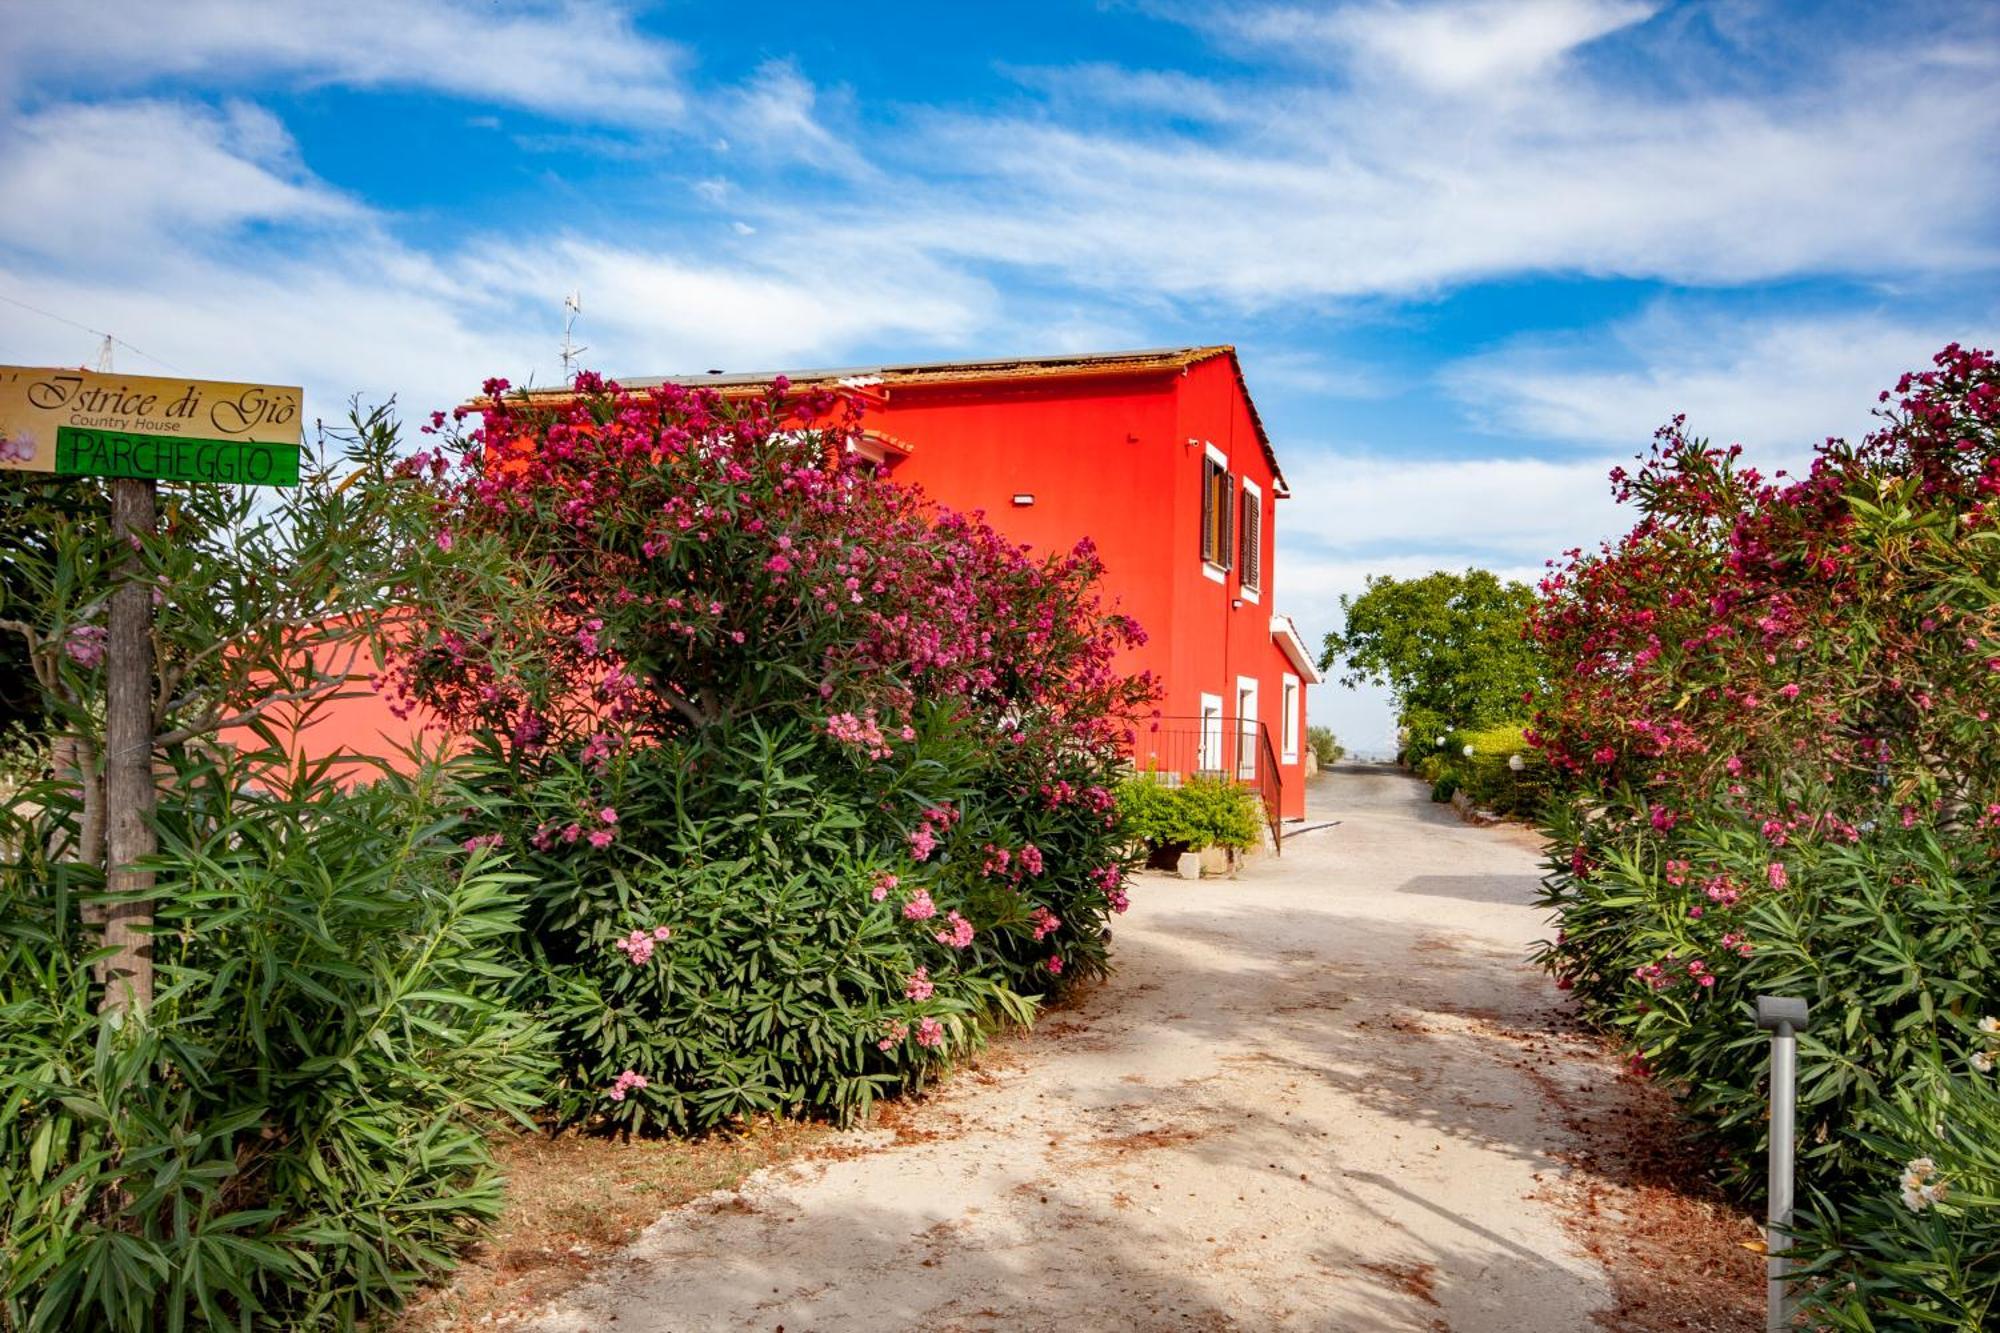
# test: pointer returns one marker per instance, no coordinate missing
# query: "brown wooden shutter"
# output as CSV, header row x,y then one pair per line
x,y
1207,506
1226,538
1253,541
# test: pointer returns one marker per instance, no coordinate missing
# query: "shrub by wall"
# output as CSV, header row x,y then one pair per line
x,y
1776,701
1194,813
813,779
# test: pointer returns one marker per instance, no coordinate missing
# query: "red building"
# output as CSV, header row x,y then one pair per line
x,y
1160,458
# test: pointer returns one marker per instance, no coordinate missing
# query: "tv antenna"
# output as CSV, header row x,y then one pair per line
x,y
572,307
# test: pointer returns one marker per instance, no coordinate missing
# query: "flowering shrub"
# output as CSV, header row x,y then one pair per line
x,y
1918,1242
812,778
1775,699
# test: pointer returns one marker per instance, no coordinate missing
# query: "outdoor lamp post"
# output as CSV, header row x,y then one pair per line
x,y
1784,1018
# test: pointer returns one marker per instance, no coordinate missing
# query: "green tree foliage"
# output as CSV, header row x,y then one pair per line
x,y
1449,646
1325,746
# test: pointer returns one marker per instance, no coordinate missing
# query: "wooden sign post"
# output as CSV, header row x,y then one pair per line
x,y
139,430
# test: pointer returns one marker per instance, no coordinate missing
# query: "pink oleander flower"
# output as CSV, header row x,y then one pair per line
x,y
601,839
919,907
919,986
1054,965
930,1033
85,645
639,945
483,840
629,1081
1045,922
1775,872
608,815
958,934
896,1031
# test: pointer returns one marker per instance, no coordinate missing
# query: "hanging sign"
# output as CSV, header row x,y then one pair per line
x,y
83,423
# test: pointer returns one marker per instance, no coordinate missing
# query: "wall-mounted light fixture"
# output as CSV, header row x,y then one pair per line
x,y
1023,500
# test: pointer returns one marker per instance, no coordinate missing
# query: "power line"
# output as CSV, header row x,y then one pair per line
x,y
50,314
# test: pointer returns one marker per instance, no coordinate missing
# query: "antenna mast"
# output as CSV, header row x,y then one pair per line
x,y
572,307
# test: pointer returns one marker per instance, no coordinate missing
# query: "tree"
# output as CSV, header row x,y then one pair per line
x,y
1450,646
261,603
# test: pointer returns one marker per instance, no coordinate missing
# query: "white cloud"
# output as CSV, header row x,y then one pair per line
x,y
1465,46
778,113
237,263
572,59
100,183
1778,385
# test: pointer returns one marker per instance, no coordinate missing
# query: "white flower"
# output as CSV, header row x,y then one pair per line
x,y
1983,1061
1468,752
1990,1026
1923,1168
1914,1197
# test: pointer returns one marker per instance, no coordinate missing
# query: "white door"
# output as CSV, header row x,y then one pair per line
x,y
1246,728
1210,758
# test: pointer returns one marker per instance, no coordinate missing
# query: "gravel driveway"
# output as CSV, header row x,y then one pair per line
x,y
1317,1096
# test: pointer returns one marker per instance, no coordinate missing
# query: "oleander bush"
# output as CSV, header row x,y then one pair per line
x,y
294,1135
1918,1245
1772,708
1198,811
812,780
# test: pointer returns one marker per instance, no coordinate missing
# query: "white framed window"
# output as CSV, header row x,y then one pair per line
x,y
1210,759
1288,726
1246,727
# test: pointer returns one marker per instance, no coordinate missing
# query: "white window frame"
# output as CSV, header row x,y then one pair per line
x,y
1251,592
1293,695
1246,727
1209,757
1216,573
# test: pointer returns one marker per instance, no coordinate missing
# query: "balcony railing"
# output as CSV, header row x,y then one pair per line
x,y
1176,748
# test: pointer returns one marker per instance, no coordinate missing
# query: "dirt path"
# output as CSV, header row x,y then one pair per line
x,y
1324,1095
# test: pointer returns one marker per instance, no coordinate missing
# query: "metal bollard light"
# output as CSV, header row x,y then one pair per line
x,y
1784,1018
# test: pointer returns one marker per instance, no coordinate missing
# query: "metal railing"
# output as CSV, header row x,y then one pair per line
x,y
1175,748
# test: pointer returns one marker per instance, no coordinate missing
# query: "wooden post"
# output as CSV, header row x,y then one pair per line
x,y
129,788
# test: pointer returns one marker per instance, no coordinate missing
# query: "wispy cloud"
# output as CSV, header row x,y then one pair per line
x,y
574,60
1777,384
1479,47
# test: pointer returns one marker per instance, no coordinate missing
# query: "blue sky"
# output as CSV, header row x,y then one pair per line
x,y
1472,252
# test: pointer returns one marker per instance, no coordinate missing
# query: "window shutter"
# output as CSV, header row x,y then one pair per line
x,y
1253,541
1207,507
1226,538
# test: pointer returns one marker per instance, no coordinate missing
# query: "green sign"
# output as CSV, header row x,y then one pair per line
x,y
84,452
